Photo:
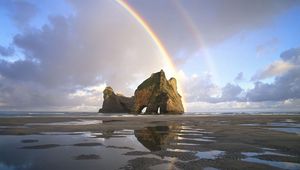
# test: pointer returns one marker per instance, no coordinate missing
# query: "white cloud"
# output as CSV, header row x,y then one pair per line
x,y
282,94
286,83
199,88
69,59
277,68
88,91
235,106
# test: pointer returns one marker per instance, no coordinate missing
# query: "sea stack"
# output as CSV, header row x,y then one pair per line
x,y
115,103
156,95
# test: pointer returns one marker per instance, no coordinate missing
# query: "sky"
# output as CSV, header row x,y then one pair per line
x,y
234,55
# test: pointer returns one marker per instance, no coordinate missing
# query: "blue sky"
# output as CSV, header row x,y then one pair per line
x,y
45,44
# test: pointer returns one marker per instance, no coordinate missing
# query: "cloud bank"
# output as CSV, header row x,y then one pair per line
x,y
283,92
100,44
210,21
287,82
68,61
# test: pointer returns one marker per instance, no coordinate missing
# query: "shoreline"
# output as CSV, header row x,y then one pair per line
x,y
100,115
34,124
192,140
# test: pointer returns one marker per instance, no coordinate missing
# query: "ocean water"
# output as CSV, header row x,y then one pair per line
x,y
152,144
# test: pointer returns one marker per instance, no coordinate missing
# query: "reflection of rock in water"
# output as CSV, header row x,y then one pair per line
x,y
108,134
156,138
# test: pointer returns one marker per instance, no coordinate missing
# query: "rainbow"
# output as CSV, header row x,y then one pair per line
x,y
156,40
197,36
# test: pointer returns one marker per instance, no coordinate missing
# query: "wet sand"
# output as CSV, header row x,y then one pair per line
x,y
174,142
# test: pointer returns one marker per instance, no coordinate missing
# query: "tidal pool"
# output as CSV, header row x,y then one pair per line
x,y
146,143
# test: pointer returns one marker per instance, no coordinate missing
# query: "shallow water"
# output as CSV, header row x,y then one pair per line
x,y
287,130
277,164
288,126
67,123
17,155
213,154
157,145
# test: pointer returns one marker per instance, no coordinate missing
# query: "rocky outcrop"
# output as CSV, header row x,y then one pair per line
x,y
115,103
156,95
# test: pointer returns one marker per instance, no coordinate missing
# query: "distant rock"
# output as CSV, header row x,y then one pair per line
x,y
156,94
115,103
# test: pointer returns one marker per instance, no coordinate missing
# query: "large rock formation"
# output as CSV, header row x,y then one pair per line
x,y
156,94
115,103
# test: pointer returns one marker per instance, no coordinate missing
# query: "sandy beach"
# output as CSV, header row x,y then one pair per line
x,y
164,142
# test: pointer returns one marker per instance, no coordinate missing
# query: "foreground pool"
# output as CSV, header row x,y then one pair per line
x,y
164,142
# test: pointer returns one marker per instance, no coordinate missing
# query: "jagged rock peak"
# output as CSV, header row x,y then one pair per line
x,y
157,94
108,91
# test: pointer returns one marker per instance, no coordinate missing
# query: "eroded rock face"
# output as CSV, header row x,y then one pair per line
x,y
115,103
157,94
